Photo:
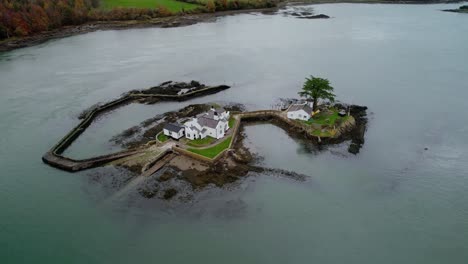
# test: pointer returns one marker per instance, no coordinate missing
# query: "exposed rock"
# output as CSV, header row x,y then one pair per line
x,y
323,16
166,176
354,148
147,194
169,193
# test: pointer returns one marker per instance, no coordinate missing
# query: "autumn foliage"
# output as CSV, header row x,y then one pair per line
x,y
25,17
19,18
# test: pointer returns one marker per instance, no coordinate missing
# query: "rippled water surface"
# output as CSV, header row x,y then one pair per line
x,y
395,202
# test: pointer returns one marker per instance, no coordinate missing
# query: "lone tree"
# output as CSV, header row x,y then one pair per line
x,y
316,88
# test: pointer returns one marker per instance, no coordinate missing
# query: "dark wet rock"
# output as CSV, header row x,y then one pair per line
x,y
354,148
195,84
169,193
147,193
461,9
111,178
166,176
130,132
134,168
151,121
173,88
235,107
320,16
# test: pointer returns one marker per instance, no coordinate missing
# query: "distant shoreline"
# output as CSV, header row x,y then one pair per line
x,y
163,22
172,21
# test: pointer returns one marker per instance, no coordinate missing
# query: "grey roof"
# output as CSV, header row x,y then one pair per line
x,y
195,128
297,107
204,121
174,127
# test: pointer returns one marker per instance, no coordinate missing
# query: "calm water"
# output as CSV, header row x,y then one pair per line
x,y
392,203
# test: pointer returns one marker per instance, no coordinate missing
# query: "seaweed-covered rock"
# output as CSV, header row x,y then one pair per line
x,y
169,193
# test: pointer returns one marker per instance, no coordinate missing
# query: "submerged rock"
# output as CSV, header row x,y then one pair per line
x,y
169,193
314,17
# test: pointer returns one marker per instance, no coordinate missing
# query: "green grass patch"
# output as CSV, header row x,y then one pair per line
x,y
172,5
232,122
324,122
162,137
200,141
213,151
328,118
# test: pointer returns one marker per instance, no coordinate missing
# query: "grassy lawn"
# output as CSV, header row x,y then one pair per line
x,y
200,142
213,151
172,5
325,119
232,121
162,137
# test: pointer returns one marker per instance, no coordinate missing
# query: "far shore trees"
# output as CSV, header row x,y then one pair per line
x,y
316,88
22,18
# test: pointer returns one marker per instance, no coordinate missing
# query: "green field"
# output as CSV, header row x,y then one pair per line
x,y
213,151
172,5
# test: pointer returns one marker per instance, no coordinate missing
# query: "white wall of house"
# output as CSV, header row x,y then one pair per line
x,y
191,133
225,115
218,132
300,114
174,134
220,129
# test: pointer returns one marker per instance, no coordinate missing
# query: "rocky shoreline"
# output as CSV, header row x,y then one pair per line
x,y
178,21
163,22
238,162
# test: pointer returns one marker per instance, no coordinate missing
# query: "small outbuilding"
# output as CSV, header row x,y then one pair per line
x,y
174,130
300,111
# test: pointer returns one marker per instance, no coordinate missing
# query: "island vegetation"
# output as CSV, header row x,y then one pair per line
x,y
163,143
21,18
316,88
213,151
29,22
461,9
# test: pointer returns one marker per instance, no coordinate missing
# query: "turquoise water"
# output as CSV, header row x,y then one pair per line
x,y
393,203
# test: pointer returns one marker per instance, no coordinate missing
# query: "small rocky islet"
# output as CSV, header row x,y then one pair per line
x,y
172,161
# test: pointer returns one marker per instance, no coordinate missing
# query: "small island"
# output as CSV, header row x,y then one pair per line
x,y
203,144
461,9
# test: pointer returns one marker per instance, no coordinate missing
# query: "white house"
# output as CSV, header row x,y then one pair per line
x,y
174,130
300,111
213,123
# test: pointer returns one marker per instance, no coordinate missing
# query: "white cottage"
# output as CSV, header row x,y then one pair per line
x,y
300,111
174,130
213,123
